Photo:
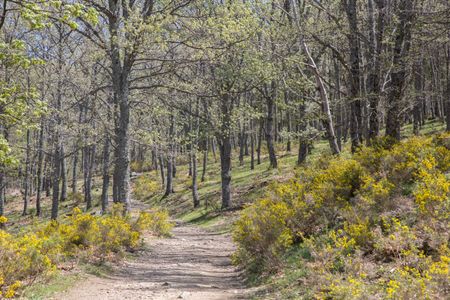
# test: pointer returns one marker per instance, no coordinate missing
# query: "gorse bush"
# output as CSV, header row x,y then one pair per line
x,y
76,198
23,257
375,224
144,187
140,166
266,236
432,190
157,222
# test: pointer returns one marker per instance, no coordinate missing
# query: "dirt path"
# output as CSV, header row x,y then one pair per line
x,y
193,264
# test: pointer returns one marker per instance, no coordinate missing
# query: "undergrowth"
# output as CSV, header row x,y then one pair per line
x,y
373,225
26,256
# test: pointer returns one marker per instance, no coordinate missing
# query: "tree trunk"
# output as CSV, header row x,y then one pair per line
x,y
189,150
447,96
161,168
213,149
276,123
194,179
260,135
225,167
246,151
169,177
196,129
288,121
57,134
122,163
328,121
418,87
252,146
224,140
47,179
75,172
270,101
39,169
76,155
121,65
56,177
174,163
154,160
2,180
26,198
398,76
339,112
105,185
87,182
170,158
63,175
303,141
241,147
205,159
355,102
302,152
373,79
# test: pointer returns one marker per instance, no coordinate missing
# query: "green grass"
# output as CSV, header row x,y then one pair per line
x,y
62,281
57,283
288,283
430,127
99,270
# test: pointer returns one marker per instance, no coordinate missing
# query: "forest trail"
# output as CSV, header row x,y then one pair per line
x,y
192,264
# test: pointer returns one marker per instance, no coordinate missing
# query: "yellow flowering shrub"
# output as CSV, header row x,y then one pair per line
x,y
157,222
262,232
346,288
337,183
402,160
433,190
305,217
76,198
136,166
372,157
316,199
375,225
361,233
21,258
144,187
92,237
376,192
442,139
140,166
394,240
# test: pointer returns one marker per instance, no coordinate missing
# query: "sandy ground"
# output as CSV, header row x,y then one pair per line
x,y
193,264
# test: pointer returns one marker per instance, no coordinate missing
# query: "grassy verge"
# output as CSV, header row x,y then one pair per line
x,y
57,283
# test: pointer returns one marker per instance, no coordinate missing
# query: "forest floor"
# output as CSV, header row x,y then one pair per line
x,y
193,264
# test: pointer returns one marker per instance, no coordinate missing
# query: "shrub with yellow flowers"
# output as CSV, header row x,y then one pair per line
x,y
94,238
262,232
375,224
433,190
157,221
144,187
21,258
